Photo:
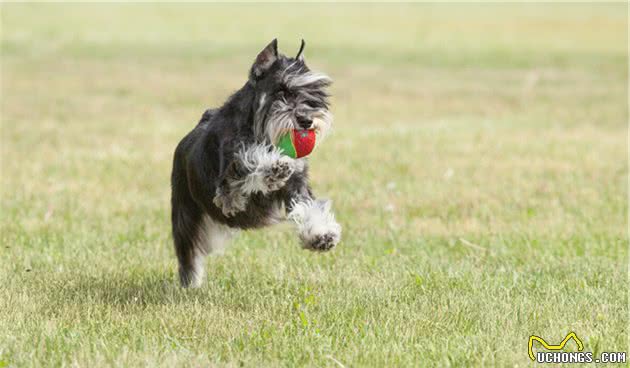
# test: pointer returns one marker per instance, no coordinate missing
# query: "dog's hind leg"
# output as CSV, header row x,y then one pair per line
x,y
187,225
195,235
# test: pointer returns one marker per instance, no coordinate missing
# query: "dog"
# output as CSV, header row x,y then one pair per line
x,y
228,175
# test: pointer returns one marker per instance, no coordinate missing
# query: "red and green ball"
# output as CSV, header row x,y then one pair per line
x,y
297,143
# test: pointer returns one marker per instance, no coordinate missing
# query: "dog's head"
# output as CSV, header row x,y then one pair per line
x,y
288,95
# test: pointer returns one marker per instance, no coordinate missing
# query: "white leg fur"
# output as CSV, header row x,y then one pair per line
x,y
198,271
316,224
212,238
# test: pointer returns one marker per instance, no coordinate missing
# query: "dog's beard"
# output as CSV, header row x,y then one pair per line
x,y
282,122
322,124
281,119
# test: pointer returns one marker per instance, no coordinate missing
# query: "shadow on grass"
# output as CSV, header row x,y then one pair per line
x,y
124,289
134,290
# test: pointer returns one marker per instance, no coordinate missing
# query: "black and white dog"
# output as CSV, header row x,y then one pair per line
x,y
228,174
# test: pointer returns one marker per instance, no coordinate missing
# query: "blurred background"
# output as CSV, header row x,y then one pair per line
x,y
478,165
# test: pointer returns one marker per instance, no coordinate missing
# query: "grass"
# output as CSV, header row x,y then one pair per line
x,y
478,167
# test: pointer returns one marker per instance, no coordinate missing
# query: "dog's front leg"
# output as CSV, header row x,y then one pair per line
x,y
316,225
257,168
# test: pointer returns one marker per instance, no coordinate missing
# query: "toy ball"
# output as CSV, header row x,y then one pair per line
x,y
297,143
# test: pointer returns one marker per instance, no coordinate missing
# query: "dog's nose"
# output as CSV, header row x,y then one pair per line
x,y
304,123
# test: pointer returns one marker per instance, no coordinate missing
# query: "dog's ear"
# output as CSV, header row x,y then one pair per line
x,y
265,59
300,54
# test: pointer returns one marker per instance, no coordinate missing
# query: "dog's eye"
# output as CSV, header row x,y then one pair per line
x,y
313,105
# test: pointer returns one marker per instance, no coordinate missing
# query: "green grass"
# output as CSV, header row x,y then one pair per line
x,y
478,167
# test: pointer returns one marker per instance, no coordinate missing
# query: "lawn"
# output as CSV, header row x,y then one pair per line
x,y
479,168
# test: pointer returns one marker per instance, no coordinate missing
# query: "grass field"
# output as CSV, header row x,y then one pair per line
x,y
478,167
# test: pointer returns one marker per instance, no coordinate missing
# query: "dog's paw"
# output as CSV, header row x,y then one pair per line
x,y
316,224
230,204
321,242
278,173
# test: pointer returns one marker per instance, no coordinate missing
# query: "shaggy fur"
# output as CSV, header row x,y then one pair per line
x,y
228,174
